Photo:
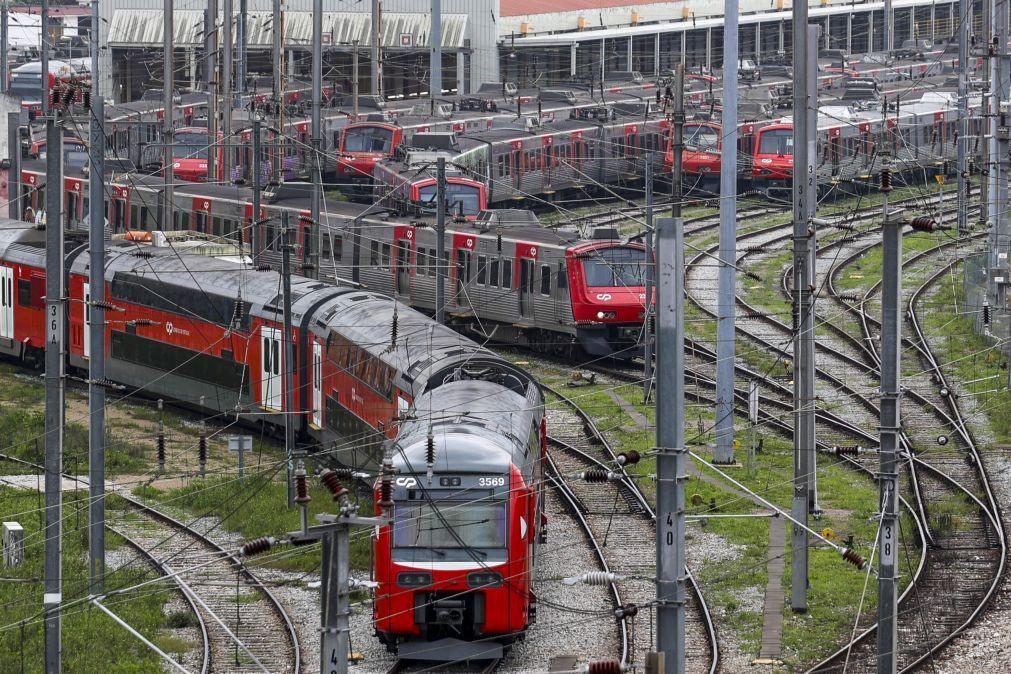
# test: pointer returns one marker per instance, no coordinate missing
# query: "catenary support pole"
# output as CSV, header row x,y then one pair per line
x,y
1001,110
334,592
96,327
891,326
808,379
314,241
288,359
670,364
647,321
354,80
227,53
211,78
255,244
962,200
277,44
727,283
242,47
435,50
889,26
55,410
168,127
440,241
4,14
376,64
804,194
14,150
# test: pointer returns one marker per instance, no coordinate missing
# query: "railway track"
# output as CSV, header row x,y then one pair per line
x,y
243,626
618,521
403,666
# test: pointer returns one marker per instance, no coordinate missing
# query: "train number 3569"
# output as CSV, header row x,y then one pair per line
x,y
491,481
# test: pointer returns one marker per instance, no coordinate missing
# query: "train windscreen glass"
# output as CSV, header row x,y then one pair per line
x,y
368,139
777,141
27,86
190,146
704,138
465,198
448,524
615,268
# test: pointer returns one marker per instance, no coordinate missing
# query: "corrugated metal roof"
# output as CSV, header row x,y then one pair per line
x,y
529,7
143,28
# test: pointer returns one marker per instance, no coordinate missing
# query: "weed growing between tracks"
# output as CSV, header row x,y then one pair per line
x,y
257,506
92,642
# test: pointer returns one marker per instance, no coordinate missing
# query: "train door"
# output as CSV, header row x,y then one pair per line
x,y
87,320
526,288
317,384
118,210
463,266
6,303
270,368
403,271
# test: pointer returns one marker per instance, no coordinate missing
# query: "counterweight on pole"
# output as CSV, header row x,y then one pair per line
x,y
670,408
727,286
94,308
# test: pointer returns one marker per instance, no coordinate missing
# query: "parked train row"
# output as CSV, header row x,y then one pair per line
x,y
463,428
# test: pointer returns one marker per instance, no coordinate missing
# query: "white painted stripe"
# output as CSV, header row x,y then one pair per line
x,y
448,566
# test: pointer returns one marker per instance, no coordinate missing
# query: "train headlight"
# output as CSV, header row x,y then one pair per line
x,y
414,579
484,579
601,315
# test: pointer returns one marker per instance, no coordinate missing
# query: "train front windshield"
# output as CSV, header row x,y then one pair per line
x,y
27,86
190,146
615,268
447,524
465,198
702,138
368,139
777,141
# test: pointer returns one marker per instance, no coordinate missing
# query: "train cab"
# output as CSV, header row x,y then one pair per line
x,y
607,282
190,151
365,144
703,145
411,189
772,158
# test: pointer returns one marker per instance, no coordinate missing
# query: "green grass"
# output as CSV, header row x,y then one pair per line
x,y
92,642
257,506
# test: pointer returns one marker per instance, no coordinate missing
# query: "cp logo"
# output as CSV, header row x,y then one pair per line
x,y
604,297
406,482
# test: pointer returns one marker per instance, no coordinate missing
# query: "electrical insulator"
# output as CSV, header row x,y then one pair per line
x,y
986,313
924,223
855,559
594,578
629,458
393,330
239,310
301,488
604,667
885,180
386,486
256,547
202,449
430,454
598,475
847,450
333,484
160,445
626,611
87,100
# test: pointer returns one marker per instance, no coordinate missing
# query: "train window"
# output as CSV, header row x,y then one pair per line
x,y
562,282
374,253
135,217
386,256
493,273
615,267
470,524
216,226
503,165
482,271
338,248
144,214
184,220
368,139
507,273
24,293
776,141
433,262
419,262
545,280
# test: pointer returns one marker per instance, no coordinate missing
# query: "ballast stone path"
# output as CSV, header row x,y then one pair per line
x,y
772,613
640,420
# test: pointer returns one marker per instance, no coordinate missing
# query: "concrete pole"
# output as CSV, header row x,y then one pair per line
x,y
334,593
242,47
168,128
277,44
670,368
888,539
254,223
227,47
354,80
377,35
313,240
96,329
288,362
965,19
889,26
3,46
211,77
435,50
999,171
14,174
727,290
440,241
55,402
647,324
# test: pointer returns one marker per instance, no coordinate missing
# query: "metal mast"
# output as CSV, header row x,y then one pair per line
x,y
314,241
647,324
889,28
965,19
277,36
211,76
440,241
3,43
14,150
96,326
435,46
891,318
55,408
805,195
168,128
288,359
377,33
999,168
227,46
727,290
670,396
242,47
